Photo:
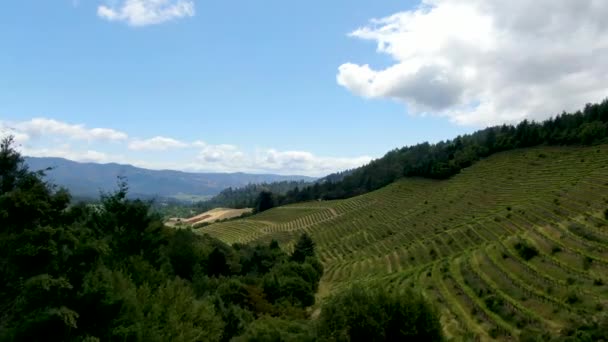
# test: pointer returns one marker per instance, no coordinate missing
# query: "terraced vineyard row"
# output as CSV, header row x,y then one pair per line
x,y
517,241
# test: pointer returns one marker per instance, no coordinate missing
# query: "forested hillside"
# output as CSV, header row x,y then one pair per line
x,y
447,158
246,196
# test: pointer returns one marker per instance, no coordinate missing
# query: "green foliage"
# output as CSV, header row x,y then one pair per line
x,y
592,132
293,283
590,330
304,248
264,202
217,263
484,287
587,261
447,158
273,329
183,253
112,271
525,250
360,314
245,197
190,319
259,259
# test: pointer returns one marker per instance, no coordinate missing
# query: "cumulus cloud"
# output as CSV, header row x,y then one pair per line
x,y
68,152
6,130
231,159
481,62
38,127
156,144
306,162
221,153
147,12
42,137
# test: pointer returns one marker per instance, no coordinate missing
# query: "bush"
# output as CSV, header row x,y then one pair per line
x,y
277,329
587,261
526,251
359,314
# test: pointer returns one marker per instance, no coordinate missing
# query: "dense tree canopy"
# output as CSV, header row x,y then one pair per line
x,y
264,202
112,271
304,248
361,314
246,197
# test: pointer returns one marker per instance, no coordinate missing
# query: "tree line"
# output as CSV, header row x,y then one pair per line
x,y
247,196
447,158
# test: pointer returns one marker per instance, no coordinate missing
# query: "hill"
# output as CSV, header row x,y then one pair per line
x,y
87,179
517,242
447,158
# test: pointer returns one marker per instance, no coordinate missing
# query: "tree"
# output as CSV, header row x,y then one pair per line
x,y
38,245
270,329
264,202
360,314
592,132
305,247
217,263
184,253
113,271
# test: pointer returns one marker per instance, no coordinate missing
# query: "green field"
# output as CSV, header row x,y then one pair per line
x,y
462,241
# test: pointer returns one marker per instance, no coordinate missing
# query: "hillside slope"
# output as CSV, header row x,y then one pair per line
x,y
469,243
86,179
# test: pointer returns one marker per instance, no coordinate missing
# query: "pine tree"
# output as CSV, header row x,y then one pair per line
x,y
264,202
305,247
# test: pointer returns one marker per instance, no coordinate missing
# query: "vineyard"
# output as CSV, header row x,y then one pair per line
x,y
516,242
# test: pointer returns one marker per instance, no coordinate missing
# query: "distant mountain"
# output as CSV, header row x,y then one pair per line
x,y
88,179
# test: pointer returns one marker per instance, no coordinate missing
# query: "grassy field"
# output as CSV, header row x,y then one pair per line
x,y
517,241
210,216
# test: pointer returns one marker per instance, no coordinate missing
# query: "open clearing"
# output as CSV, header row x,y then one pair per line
x,y
460,241
210,216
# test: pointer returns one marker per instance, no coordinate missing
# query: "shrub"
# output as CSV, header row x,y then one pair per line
x,y
526,251
572,298
277,329
587,261
359,314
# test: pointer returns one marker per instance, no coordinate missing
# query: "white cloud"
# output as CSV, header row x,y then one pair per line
x,y
306,162
147,12
42,137
229,158
68,152
156,144
39,127
221,153
19,137
482,62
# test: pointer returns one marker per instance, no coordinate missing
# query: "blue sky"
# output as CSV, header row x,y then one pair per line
x,y
275,86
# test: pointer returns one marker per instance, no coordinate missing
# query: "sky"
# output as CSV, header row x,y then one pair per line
x,y
286,87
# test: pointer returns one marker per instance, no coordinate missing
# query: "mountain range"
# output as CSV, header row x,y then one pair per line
x,y
88,179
